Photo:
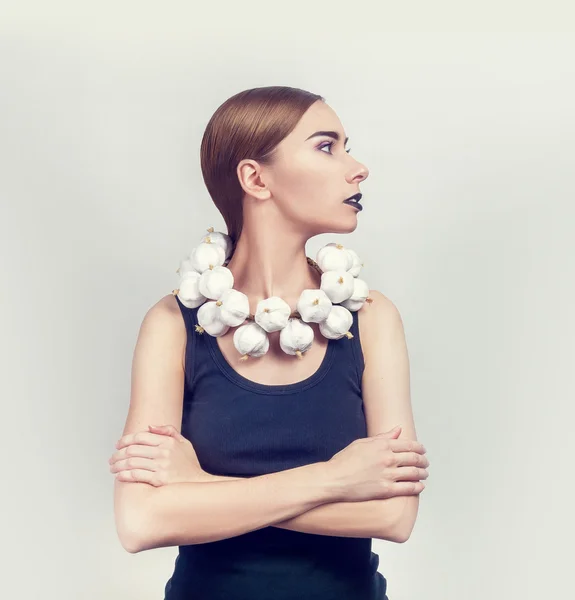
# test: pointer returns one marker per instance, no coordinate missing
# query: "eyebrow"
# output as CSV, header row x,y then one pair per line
x,y
332,134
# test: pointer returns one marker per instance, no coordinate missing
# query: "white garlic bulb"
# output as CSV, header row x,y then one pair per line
x,y
251,340
189,292
313,306
234,307
221,239
296,338
207,255
214,281
272,314
358,297
338,285
206,283
208,319
356,263
186,266
337,324
334,257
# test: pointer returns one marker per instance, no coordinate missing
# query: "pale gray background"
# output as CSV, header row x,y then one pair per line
x,y
465,119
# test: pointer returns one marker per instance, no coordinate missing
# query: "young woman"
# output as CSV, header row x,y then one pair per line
x,y
271,474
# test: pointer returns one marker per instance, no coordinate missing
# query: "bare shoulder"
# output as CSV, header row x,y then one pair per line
x,y
380,305
379,312
163,322
379,321
386,379
165,318
168,305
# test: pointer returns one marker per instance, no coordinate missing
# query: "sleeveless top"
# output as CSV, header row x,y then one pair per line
x,y
241,428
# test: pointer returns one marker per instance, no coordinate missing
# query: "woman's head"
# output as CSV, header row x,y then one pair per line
x,y
260,146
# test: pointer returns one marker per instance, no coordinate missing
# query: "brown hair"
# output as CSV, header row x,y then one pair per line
x,y
250,124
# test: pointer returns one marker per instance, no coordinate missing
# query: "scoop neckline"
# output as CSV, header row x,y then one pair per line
x,y
264,388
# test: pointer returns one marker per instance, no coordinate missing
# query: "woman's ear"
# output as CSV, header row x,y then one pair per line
x,y
251,179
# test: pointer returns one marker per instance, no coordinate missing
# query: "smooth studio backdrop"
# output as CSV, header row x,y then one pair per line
x,y
465,120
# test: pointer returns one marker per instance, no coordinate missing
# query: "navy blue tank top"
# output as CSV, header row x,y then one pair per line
x,y
241,428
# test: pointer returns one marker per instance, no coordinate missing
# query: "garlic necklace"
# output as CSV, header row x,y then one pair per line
x,y
207,283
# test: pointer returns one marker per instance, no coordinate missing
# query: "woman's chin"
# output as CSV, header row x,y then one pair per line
x,y
339,222
347,225
350,221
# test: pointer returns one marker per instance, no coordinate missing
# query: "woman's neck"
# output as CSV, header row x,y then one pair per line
x,y
271,261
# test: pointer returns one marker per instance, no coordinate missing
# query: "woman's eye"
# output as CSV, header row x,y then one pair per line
x,y
329,145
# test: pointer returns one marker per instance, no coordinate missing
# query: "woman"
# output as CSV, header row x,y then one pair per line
x,y
272,474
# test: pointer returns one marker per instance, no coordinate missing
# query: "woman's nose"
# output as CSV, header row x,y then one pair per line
x,y
360,173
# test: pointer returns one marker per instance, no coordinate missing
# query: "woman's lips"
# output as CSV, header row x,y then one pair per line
x,y
353,203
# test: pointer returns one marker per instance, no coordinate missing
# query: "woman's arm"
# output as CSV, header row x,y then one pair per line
x,y
188,513
196,513
386,390
386,397
387,402
371,518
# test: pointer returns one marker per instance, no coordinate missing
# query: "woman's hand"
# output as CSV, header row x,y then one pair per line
x,y
380,466
158,457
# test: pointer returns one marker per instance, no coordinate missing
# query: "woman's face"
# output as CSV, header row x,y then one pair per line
x,y
312,175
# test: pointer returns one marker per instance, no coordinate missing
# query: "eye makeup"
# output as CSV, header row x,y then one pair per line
x,y
329,145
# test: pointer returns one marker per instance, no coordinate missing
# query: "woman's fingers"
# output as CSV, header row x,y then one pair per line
x,y
137,450
408,488
142,476
134,463
168,430
145,438
402,445
141,437
406,459
408,474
